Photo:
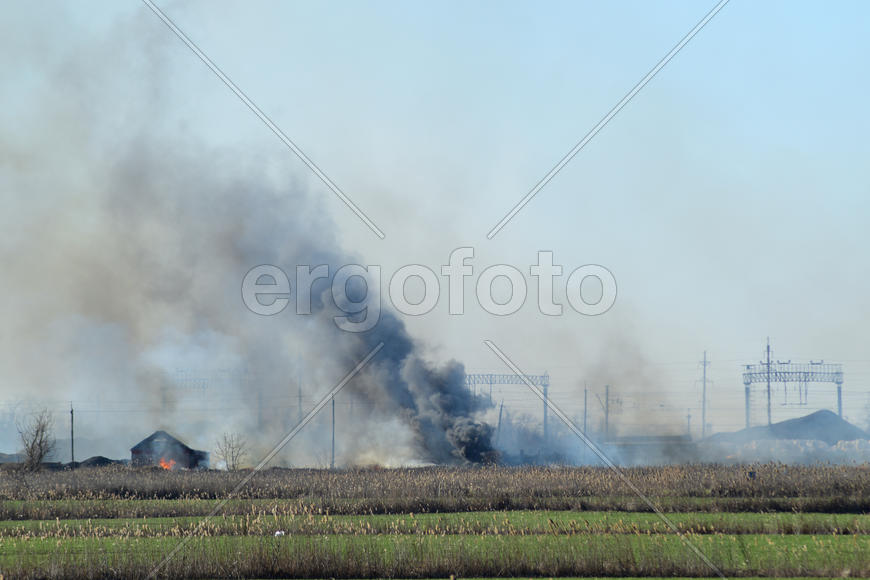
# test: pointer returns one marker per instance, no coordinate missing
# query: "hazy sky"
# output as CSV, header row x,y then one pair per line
x,y
730,198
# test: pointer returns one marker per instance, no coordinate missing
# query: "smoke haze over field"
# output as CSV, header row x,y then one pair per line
x,y
137,191
152,286
130,271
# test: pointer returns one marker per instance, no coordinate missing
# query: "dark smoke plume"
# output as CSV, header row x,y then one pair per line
x,y
125,243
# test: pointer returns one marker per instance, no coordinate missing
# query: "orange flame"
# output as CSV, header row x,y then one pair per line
x,y
167,464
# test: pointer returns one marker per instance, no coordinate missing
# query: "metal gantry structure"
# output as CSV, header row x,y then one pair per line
x,y
800,374
473,380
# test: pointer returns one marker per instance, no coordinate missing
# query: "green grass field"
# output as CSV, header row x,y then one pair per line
x,y
434,555
470,523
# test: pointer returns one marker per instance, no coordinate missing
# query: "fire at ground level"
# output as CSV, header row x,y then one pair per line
x,y
820,437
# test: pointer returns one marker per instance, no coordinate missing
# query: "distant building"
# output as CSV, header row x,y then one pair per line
x,y
162,449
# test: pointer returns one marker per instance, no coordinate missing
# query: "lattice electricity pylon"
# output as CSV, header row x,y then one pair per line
x,y
788,372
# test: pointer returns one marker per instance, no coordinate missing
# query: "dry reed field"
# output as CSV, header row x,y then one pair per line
x,y
117,522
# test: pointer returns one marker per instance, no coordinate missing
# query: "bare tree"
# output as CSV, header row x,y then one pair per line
x,y
37,438
231,448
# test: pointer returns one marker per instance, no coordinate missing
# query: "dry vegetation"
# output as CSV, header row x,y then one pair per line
x,y
532,487
37,439
231,449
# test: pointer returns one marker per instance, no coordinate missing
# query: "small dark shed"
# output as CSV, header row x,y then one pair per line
x,y
161,448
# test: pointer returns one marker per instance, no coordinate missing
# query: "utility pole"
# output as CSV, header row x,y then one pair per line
x,y
498,426
840,399
299,396
689,422
746,398
585,415
546,433
704,398
606,412
332,457
768,381
72,437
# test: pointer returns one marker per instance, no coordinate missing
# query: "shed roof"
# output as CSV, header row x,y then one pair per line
x,y
160,438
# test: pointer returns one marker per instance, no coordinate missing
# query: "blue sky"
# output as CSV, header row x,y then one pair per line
x,y
729,198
